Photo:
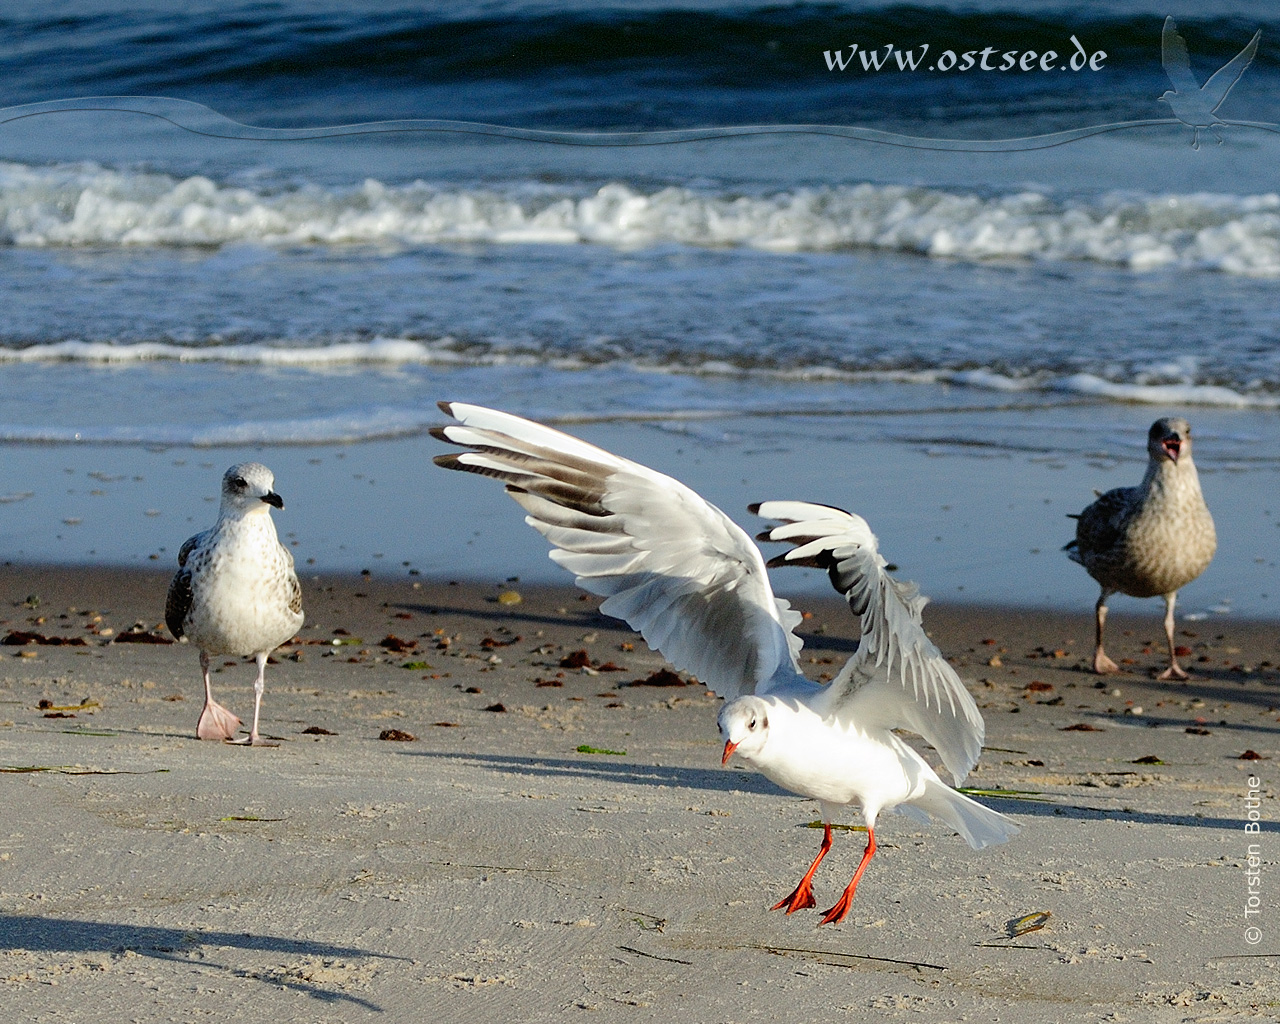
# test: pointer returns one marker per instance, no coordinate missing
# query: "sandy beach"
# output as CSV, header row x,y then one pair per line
x,y
949,299
557,840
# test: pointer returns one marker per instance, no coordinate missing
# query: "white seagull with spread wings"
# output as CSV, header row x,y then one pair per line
x,y
1193,104
677,569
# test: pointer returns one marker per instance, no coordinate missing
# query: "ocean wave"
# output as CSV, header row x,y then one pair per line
x,y
1093,386
356,425
391,351
447,352
781,389
1084,384
338,428
88,205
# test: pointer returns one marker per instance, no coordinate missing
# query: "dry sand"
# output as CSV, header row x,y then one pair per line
x,y
491,870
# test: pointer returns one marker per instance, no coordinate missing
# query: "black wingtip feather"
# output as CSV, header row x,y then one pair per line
x,y
446,408
778,561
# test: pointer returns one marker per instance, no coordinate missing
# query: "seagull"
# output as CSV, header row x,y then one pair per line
x,y
680,571
1193,104
1151,539
235,591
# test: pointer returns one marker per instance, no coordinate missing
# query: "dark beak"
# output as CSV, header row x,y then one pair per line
x,y
273,499
729,748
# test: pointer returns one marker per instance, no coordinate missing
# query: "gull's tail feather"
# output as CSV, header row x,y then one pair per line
x,y
979,826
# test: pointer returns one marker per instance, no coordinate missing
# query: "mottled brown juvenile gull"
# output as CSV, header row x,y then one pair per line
x,y
235,591
1149,540
690,580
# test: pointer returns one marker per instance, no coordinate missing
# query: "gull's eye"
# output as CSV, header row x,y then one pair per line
x,y
240,484
752,725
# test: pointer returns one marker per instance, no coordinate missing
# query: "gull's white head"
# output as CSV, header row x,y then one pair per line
x,y
1169,439
744,724
247,488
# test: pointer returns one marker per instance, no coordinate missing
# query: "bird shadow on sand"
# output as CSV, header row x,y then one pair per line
x,y
1213,685
67,935
612,770
575,618
1027,808
590,618
1166,722
730,781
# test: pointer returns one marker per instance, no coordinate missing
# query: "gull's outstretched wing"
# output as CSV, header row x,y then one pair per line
x,y
1175,59
897,678
672,565
1225,77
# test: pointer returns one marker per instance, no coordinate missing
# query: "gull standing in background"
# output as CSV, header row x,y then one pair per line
x,y
235,591
1149,540
690,580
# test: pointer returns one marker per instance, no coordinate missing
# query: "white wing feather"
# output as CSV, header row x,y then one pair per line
x,y
1175,59
897,678
672,565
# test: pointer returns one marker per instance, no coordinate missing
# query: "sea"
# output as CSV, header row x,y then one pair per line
x,y
941,265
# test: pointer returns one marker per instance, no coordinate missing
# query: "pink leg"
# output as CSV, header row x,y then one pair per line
x,y
803,896
253,739
836,914
216,722
1174,671
1102,665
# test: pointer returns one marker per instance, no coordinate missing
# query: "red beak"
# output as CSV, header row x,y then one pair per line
x,y
729,748
1172,447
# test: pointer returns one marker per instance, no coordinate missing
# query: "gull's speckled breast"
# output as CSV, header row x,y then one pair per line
x,y
245,595
1152,539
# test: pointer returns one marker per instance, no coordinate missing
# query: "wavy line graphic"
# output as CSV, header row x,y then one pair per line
x,y
199,119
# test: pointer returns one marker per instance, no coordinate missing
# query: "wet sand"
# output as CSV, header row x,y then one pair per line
x,y
557,841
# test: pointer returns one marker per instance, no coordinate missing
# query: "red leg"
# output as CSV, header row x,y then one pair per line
x,y
836,914
802,898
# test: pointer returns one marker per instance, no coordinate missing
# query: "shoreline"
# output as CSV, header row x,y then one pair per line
x,y
1125,611
97,603
582,849
972,506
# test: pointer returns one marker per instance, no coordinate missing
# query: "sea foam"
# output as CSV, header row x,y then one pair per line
x,y
89,205
352,421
